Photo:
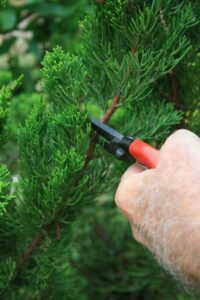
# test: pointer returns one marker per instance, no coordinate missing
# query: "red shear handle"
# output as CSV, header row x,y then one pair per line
x,y
144,153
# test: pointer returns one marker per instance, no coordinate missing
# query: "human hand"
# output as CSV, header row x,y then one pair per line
x,y
163,205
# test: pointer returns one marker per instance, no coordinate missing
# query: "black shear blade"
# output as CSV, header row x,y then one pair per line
x,y
116,143
118,152
105,131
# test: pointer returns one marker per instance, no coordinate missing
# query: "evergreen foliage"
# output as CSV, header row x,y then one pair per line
x,y
4,189
6,93
61,236
61,86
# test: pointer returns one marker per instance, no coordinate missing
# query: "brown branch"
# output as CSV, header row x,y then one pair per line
x,y
111,109
105,119
107,115
31,248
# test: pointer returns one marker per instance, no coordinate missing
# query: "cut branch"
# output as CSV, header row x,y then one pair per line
x,y
111,109
105,119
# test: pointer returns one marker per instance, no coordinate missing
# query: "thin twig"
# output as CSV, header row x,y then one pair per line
x,y
111,109
105,119
34,245
31,248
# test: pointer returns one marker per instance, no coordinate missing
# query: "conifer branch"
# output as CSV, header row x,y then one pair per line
x,y
105,119
31,248
33,245
108,114
91,148
40,236
89,154
111,109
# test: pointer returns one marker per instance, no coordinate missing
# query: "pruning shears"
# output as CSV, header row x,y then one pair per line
x,y
126,147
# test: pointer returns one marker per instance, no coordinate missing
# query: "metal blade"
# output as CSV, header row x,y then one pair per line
x,y
118,152
106,131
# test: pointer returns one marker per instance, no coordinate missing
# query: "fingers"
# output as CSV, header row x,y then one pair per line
x,y
132,200
129,193
134,169
173,153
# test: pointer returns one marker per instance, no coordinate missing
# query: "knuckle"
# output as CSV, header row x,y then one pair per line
x,y
181,133
178,142
181,136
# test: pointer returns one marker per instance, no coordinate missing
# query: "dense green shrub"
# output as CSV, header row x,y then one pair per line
x,y
61,236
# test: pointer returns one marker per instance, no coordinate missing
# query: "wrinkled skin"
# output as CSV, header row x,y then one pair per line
x,y
163,206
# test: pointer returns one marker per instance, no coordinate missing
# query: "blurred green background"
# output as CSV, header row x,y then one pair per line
x,y
29,28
